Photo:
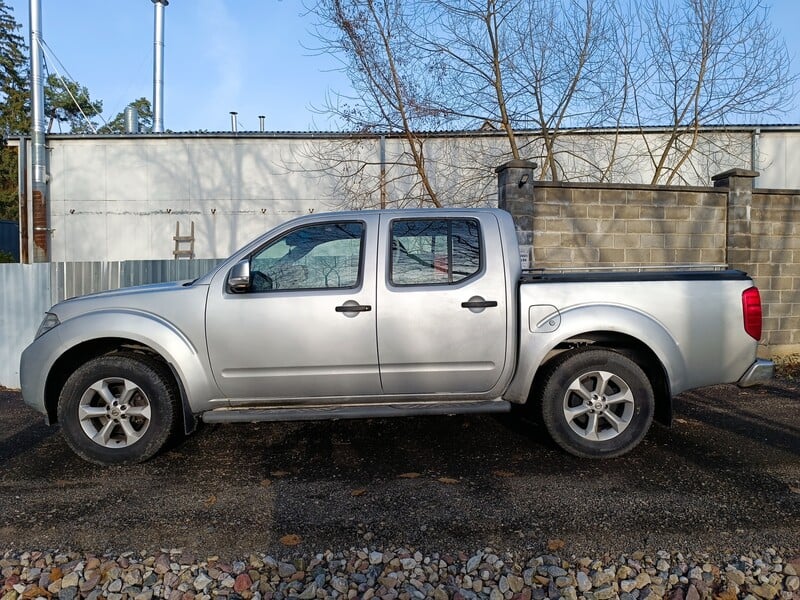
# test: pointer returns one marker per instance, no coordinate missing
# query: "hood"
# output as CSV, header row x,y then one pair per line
x,y
127,291
140,297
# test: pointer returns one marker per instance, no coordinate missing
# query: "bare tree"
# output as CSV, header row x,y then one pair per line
x,y
472,49
354,173
541,72
568,70
706,62
373,39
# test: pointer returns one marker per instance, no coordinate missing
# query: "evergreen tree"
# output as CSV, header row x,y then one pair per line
x,y
70,104
14,105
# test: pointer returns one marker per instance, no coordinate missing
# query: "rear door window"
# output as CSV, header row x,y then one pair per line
x,y
435,251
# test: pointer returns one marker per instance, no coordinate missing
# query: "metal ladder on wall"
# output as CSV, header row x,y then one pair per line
x,y
180,252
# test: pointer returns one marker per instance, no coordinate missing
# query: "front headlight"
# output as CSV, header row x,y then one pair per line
x,y
50,320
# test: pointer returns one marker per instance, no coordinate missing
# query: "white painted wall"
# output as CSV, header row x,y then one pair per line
x,y
778,159
119,198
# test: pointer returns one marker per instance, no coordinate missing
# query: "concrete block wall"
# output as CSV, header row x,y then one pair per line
x,y
608,225
775,263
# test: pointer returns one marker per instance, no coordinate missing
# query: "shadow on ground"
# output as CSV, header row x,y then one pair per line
x,y
726,476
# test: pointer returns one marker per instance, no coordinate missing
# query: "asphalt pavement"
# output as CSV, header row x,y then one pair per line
x,y
724,478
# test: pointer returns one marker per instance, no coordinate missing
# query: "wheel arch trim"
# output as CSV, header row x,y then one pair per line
x,y
585,321
120,326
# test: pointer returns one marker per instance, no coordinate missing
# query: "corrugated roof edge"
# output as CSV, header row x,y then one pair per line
x,y
377,134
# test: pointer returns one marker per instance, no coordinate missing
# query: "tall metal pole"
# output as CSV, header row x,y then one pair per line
x,y
383,171
41,229
158,67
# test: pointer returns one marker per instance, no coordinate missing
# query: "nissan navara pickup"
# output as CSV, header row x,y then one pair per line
x,y
390,313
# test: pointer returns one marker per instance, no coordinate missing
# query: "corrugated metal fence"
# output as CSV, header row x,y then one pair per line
x,y
72,279
24,296
27,291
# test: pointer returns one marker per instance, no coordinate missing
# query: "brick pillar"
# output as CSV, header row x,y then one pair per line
x,y
515,194
740,199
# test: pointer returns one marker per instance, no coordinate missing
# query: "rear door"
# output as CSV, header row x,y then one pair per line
x,y
441,304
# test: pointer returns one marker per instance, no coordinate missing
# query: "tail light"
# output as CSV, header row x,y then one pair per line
x,y
751,312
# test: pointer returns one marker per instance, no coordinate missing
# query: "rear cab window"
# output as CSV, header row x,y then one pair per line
x,y
435,251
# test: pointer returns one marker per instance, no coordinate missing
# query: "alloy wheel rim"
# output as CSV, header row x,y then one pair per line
x,y
114,412
598,406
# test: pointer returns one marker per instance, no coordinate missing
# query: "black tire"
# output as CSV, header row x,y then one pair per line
x,y
126,401
596,403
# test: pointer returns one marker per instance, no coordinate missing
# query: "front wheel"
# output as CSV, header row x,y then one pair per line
x,y
118,409
596,403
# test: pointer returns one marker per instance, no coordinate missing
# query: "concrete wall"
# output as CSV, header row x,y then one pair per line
x,y
775,262
600,225
120,197
612,225
777,159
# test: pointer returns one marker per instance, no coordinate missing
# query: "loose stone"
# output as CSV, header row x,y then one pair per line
x,y
473,563
584,583
201,582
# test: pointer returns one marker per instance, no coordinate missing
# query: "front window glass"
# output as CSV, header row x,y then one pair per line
x,y
435,251
313,257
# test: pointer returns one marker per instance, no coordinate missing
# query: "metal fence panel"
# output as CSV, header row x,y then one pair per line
x,y
27,291
24,297
81,278
140,272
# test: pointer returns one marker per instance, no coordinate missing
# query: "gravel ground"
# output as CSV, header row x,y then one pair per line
x,y
399,574
462,507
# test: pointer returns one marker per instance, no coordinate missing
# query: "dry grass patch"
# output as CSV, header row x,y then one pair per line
x,y
788,366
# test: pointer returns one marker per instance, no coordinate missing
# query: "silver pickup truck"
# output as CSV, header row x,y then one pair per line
x,y
389,313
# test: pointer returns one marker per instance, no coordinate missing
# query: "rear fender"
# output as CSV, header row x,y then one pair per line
x,y
582,321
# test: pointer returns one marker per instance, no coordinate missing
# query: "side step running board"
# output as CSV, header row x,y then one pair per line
x,y
353,411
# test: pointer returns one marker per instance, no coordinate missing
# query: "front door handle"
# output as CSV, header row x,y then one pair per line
x,y
479,304
354,308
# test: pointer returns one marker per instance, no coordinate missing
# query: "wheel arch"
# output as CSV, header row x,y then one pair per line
x,y
79,354
630,347
184,353
615,327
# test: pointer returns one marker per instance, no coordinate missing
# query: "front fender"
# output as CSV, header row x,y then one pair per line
x,y
185,355
583,320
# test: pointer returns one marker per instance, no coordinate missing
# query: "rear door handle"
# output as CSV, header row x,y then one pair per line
x,y
354,308
479,304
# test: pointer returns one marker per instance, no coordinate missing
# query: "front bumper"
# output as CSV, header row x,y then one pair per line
x,y
35,363
761,371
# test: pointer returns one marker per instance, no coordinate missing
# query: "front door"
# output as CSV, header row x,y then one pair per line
x,y
305,328
441,305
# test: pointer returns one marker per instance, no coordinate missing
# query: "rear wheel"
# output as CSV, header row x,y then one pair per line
x,y
118,409
596,403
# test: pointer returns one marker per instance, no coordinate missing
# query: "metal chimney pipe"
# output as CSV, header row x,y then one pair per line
x,y
41,228
234,122
158,67
261,122
131,119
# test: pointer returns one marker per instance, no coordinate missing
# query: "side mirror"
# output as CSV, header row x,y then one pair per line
x,y
239,277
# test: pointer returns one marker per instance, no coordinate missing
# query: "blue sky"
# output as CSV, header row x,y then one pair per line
x,y
223,55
